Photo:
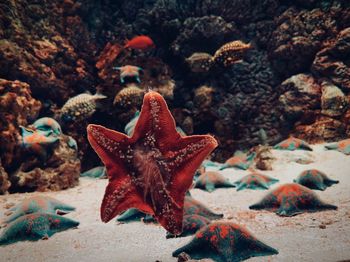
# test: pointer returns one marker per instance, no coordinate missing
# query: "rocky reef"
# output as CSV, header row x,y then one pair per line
x,y
17,107
60,171
293,80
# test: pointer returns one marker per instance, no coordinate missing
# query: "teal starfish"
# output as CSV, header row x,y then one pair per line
x,y
35,204
35,226
292,199
240,161
190,225
194,207
48,125
225,242
96,172
211,180
191,207
255,181
293,143
315,179
208,163
133,215
342,146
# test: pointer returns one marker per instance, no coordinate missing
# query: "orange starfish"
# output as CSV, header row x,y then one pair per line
x,y
152,169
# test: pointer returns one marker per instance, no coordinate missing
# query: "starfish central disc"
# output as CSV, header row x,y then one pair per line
x,y
152,169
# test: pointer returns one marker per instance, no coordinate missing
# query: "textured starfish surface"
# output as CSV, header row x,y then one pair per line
x,y
211,180
96,172
292,199
241,161
191,224
342,146
129,127
293,143
315,179
255,181
34,227
43,204
225,242
194,207
152,169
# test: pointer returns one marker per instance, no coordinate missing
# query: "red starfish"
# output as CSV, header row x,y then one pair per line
x,y
152,169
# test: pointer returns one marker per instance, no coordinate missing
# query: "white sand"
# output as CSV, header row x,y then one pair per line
x,y
297,238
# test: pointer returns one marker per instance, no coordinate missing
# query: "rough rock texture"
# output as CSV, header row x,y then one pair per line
x,y
61,170
322,129
302,96
298,36
333,100
333,61
63,48
17,107
4,181
264,158
41,46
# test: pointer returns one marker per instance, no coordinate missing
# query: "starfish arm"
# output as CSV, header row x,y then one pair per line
x,y
156,119
185,160
121,195
110,147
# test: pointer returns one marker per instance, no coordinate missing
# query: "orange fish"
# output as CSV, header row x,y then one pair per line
x,y
141,42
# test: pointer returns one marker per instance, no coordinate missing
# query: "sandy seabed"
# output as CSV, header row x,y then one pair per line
x,y
321,236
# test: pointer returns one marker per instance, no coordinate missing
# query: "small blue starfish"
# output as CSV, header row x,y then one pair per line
x,y
39,204
35,226
96,172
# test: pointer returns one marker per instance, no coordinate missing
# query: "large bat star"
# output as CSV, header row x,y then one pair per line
x,y
152,169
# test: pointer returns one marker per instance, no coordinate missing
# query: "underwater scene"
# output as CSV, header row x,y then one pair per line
x,y
174,130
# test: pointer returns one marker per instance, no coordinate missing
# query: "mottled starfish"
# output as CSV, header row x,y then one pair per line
x,y
152,169
39,204
225,242
34,227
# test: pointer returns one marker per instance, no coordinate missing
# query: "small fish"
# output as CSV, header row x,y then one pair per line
x,y
130,72
200,62
231,53
80,107
141,42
